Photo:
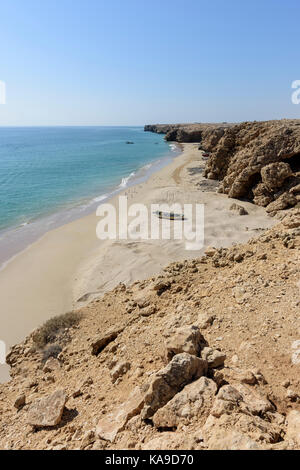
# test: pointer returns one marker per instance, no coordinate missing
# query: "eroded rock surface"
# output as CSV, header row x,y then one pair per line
x,y
47,412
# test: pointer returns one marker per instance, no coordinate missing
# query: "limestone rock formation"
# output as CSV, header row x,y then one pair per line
x,y
167,382
109,426
259,161
186,339
194,401
47,411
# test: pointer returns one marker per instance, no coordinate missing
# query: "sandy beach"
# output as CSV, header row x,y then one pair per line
x,y
70,266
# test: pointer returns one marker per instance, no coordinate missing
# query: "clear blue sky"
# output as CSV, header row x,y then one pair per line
x,y
128,62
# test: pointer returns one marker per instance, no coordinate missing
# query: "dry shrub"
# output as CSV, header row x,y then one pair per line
x,y
52,350
53,327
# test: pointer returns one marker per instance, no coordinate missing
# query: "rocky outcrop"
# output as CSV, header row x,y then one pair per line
x,y
188,132
187,339
194,402
226,324
259,161
167,382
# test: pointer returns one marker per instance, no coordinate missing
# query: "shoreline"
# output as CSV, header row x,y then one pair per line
x,y
15,239
69,263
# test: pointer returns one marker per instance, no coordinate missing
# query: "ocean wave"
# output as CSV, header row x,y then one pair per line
x,y
173,147
100,198
125,181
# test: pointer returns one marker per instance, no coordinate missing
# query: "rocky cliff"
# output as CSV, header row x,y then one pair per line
x,y
259,161
204,356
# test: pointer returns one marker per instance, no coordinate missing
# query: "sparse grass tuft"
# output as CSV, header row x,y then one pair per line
x,y
52,328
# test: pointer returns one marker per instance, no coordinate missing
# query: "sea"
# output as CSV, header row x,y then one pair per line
x,y
50,176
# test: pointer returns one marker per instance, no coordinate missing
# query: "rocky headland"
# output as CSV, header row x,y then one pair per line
x,y
204,355
256,161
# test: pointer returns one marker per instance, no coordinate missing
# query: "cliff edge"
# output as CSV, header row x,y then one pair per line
x,y
257,161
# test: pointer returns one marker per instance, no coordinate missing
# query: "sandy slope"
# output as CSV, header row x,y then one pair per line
x,y
245,302
70,262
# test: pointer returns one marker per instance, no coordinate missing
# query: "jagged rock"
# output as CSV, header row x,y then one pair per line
x,y
283,202
256,403
183,369
292,395
240,210
47,412
214,357
292,220
296,352
253,428
194,401
205,320
161,286
230,439
240,294
243,376
210,251
109,426
186,339
262,195
147,311
20,401
227,400
51,365
274,174
99,343
293,426
87,439
119,370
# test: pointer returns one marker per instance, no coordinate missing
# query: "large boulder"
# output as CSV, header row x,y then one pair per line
x,y
47,412
186,339
109,426
274,174
284,201
193,402
101,341
214,357
183,369
262,195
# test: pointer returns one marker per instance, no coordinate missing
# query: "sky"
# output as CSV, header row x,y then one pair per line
x,y
134,62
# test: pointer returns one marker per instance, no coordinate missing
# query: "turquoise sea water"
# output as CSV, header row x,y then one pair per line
x,y
45,172
45,169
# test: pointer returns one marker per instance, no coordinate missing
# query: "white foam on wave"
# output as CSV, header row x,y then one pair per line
x,y
173,147
100,198
147,167
125,181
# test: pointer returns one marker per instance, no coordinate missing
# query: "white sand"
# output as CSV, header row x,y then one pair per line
x,y
50,276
